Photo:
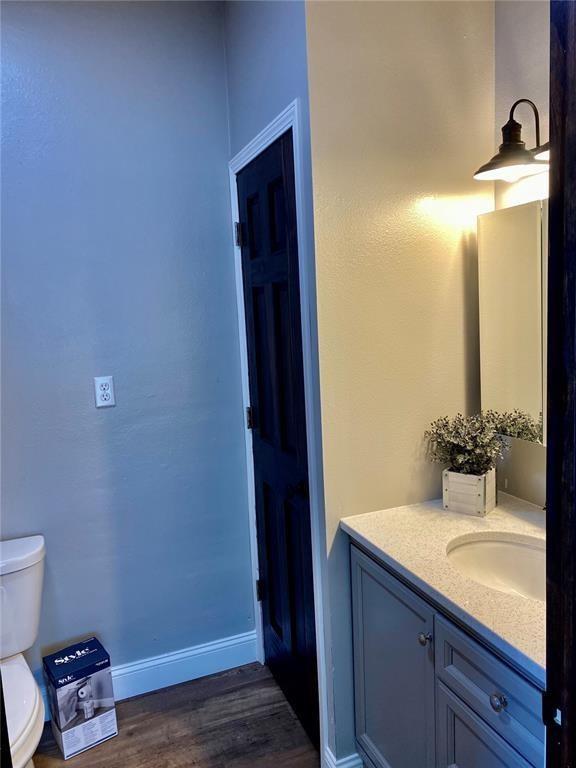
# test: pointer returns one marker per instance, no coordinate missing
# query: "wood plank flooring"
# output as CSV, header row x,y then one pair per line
x,y
236,719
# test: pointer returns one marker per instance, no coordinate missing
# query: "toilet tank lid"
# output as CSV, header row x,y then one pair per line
x,y
17,554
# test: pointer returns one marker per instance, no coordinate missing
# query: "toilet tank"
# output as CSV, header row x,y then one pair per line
x,y
21,575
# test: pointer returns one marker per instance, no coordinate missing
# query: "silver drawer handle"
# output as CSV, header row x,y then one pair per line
x,y
424,638
498,702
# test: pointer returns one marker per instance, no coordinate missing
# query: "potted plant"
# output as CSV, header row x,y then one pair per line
x,y
517,424
470,446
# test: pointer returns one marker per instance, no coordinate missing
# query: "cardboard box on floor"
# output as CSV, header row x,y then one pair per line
x,y
79,685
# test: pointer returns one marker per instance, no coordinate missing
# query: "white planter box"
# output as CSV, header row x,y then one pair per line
x,y
470,494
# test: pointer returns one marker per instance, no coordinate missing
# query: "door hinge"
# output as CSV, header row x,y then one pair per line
x,y
551,713
259,590
238,233
249,418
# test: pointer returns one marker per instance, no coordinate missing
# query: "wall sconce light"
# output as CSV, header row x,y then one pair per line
x,y
543,152
513,161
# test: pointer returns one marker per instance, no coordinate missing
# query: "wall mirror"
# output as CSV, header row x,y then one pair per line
x,y
512,259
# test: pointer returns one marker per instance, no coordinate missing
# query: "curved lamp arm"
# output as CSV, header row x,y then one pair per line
x,y
536,116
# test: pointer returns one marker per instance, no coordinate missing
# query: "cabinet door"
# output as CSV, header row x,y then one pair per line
x,y
465,741
393,669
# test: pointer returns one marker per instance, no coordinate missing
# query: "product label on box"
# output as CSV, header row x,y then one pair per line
x,y
80,737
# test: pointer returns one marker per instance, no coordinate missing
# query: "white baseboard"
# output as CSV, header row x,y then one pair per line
x,y
180,666
157,672
350,761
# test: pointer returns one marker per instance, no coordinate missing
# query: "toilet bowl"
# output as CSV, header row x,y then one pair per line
x,y
21,576
24,710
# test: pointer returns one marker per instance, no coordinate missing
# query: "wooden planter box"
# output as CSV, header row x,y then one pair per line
x,y
470,494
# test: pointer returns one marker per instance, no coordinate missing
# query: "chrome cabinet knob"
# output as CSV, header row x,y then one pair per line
x,y
424,638
498,702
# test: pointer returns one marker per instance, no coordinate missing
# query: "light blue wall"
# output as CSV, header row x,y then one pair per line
x,y
266,54
117,260
267,65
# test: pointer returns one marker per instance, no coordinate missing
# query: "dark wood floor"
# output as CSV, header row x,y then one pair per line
x,y
237,719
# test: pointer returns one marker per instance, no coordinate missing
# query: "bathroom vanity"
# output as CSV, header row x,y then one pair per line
x,y
449,636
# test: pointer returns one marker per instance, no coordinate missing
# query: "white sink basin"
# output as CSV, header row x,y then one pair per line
x,y
504,561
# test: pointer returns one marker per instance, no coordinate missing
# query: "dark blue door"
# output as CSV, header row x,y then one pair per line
x,y
266,199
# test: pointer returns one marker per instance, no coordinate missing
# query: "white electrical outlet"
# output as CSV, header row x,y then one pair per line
x,y
104,391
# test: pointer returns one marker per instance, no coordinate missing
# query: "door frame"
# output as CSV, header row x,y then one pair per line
x,y
560,699
289,118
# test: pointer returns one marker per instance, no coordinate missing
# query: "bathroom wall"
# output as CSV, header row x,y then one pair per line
x,y
266,64
522,55
117,260
267,69
522,50
394,88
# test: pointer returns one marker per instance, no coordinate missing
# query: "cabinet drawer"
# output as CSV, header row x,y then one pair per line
x,y
488,685
465,741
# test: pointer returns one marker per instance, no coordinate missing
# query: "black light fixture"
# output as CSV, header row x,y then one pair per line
x,y
513,161
543,152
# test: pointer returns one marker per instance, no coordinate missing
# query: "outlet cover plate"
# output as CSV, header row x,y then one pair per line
x,y
104,391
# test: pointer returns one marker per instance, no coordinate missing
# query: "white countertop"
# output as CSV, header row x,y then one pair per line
x,y
412,541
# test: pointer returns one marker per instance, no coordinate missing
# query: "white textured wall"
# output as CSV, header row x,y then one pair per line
x,y
522,56
402,109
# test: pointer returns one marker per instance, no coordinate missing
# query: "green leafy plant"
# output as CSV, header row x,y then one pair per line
x,y
517,424
470,445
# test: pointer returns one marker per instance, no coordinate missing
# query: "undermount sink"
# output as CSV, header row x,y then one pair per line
x,y
504,561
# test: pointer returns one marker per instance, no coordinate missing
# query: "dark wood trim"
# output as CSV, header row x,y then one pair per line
x,y
561,458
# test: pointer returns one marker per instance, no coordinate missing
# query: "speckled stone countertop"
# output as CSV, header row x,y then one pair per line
x,y
412,541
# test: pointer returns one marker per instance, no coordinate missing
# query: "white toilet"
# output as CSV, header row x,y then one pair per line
x,y
21,575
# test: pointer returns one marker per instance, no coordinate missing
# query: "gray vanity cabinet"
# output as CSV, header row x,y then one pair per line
x,y
394,669
426,693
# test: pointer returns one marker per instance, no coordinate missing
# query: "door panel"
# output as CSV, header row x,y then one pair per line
x,y
266,202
